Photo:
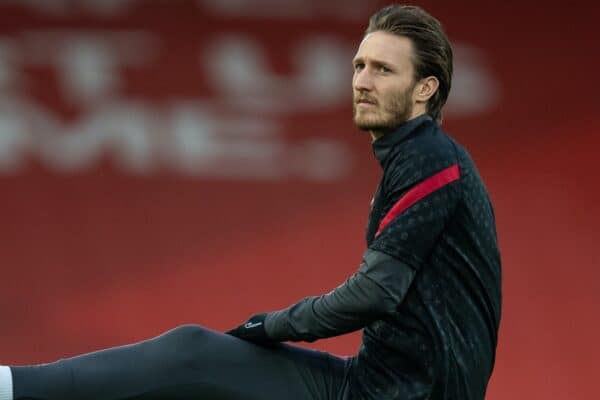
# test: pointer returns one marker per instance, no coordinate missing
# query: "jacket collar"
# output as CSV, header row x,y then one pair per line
x,y
383,145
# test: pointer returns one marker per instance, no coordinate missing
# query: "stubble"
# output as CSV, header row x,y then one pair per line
x,y
387,114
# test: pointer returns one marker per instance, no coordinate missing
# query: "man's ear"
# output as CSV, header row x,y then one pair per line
x,y
426,88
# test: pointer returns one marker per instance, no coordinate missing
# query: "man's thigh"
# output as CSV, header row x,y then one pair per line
x,y
188,362
225,367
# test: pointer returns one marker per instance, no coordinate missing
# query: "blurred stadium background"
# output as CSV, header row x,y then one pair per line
x,y
166,162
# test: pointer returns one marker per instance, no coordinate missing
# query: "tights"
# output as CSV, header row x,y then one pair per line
x,y
188,362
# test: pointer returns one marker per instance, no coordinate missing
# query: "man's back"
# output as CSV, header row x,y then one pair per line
x,y
440,343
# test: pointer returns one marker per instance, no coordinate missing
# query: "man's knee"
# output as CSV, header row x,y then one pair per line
x,y
185,336
185,346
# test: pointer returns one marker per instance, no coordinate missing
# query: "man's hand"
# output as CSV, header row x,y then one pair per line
x,y
253,330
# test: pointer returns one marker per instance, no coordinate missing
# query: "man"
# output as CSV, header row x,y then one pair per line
x,y
427,292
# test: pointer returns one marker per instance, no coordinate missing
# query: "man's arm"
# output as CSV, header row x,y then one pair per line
x,y
376,289
422,204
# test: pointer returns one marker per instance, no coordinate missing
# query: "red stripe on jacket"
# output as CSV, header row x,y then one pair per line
x,y
428,186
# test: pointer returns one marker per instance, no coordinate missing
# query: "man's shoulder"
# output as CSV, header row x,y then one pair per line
x,y
426,152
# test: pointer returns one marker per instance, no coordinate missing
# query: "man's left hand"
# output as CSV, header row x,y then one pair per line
x,y
252,330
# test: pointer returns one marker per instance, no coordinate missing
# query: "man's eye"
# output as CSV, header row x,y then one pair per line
x,y
358,66
384,69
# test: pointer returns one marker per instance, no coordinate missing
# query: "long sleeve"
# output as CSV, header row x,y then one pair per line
x,y
374,291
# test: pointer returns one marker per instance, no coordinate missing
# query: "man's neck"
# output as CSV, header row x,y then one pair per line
x,y
375,135
379,133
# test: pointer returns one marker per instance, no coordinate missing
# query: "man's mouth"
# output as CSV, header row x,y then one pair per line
x,y
366,101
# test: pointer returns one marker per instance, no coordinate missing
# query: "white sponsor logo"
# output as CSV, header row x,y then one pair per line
x,y
250,325
238,133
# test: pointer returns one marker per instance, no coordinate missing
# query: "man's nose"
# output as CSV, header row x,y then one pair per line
x,y
363,81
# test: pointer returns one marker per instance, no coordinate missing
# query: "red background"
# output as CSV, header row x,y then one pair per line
x,y
101,256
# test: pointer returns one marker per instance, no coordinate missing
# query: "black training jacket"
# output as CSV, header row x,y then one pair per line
x,y
427,292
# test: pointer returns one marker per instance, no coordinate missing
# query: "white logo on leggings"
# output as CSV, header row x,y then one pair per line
x,y
250,325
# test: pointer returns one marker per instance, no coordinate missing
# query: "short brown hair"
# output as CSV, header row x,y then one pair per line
x,y
433,52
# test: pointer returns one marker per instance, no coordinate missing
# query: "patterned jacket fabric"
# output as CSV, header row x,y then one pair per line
x,y
428,290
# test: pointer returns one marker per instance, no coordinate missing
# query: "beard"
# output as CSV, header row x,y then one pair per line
x,y
387,114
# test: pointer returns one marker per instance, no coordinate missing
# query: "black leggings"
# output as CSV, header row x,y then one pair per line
x,y
189,362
